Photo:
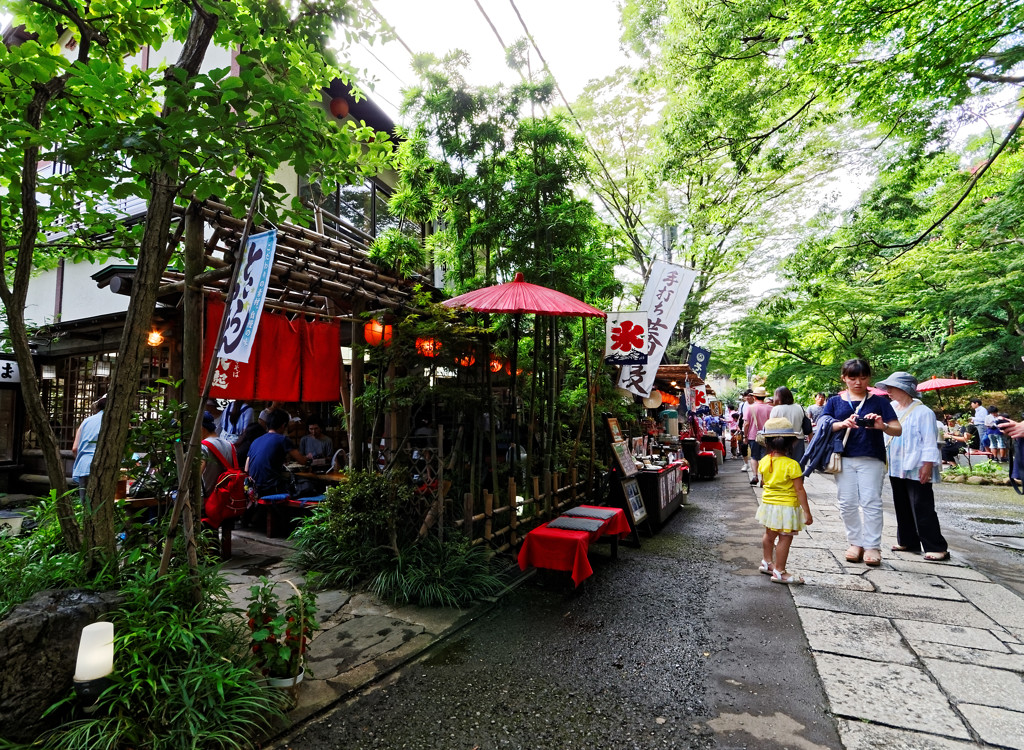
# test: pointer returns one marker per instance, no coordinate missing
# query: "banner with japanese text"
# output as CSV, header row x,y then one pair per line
x,y
246,303
664,296
625,335
698,361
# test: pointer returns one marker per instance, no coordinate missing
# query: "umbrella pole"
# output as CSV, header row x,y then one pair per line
x,y
514,412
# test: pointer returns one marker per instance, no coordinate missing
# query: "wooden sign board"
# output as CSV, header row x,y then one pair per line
x,y
634,500
616,431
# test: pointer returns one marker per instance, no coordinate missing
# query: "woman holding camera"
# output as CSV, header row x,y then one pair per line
x,y
867,419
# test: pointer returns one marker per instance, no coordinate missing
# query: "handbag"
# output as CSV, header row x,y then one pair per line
x,y
835,461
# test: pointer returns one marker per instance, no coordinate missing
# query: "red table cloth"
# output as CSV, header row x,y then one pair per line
x,y
562,549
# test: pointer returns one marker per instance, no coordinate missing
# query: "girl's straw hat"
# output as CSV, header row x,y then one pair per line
x,y
777,427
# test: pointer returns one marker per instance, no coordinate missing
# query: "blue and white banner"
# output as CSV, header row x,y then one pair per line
x,y
246,303
625,337
667,288
698,361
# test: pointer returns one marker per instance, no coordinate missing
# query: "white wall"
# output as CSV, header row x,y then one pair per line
x,y
81,299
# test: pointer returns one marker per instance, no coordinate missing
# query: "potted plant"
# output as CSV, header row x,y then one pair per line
x,y
281,630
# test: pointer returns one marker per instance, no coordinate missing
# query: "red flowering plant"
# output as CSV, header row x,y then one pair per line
x,y
281,629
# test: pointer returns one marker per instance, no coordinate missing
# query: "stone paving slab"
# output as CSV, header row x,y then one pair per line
x,y
912,584
819,560
943,570
891,605
854,635
998,602
891,694
357,641
953,635
967,683
838,580
996,726
858,735
964,655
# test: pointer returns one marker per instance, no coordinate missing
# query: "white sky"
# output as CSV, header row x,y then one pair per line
x,y
578,38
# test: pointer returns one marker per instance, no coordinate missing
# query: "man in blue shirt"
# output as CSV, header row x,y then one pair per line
x,y
267,456
84,446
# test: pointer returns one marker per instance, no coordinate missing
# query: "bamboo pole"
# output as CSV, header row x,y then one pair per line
x,y
488,515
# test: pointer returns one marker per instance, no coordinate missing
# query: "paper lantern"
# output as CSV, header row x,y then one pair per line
x,y
466,360
496,363
428,347
508,369
377,333
339,107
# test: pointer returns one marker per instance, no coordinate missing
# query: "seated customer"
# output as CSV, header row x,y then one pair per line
x,y
267,456
315,444
955,440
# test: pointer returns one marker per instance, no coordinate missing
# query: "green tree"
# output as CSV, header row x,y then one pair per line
x,y
168,135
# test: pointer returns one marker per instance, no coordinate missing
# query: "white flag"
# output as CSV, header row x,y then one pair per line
x,y
664,297
246,304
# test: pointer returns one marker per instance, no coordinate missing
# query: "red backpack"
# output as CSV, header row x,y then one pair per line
x,y
231,495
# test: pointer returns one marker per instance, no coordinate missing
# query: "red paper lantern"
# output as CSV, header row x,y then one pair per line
x,y
428,347
466,360
496,363
508,369
339,107
377,333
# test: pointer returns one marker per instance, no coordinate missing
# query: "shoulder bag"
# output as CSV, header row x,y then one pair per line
x,y
835,461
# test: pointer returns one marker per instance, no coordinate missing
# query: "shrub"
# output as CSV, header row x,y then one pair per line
x,y
436,573
183,677
280,629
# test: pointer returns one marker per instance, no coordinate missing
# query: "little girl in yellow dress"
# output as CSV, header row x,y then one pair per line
x,y
783,510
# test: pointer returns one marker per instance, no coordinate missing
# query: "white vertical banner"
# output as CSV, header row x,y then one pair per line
x,y
246,303
700,397
664,296
625,336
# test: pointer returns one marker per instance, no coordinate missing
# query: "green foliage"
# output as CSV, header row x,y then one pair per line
x,y
987,469
280,629
154,436
182,676
436,573
37,560
358,525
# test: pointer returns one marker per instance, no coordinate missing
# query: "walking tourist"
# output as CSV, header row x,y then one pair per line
x,y
745,401
993,437
814,410
859,484
757,414
978,420
783,510
913,468
785,407
84,447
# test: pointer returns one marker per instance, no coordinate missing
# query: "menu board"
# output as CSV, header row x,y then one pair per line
x,y
624,458
634,500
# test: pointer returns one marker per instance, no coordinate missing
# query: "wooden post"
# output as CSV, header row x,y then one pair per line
x,y
467,515
438,453
513,518
356,438
488,514
548,494
572,481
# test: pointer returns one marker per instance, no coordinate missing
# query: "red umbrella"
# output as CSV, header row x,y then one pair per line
x,y
871,390
938,384
518,296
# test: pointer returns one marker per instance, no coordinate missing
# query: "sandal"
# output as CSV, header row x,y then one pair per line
x,y
873,557
854,554
935,556
901,548
790,579
765,567
754,480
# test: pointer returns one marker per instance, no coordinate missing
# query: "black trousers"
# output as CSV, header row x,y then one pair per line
x,y
917,525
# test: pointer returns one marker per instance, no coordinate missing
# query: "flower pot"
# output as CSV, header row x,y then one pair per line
x,y
286,682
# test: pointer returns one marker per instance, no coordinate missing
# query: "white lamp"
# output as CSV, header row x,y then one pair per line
x,y
102,369
95,661
49,372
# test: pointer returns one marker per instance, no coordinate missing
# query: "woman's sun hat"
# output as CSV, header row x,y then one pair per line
x,y
902,380
759,392
777,427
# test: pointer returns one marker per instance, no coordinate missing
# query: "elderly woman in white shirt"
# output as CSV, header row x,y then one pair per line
x,y
914,462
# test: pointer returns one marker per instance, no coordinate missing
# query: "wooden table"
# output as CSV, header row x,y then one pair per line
x,y
565,549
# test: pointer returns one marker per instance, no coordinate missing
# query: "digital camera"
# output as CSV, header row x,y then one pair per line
x,y
865,422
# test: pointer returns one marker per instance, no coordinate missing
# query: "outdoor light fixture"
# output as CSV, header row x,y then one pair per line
x,y
377,333
102,369
155,338
95,663
49,372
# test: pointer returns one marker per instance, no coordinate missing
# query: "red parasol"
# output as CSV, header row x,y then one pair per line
x,y
518,296
938,384
871,390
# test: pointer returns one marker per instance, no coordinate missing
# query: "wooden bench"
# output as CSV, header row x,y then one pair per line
x,y
275,505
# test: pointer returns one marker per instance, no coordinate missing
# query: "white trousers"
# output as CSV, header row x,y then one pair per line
x,y
859,487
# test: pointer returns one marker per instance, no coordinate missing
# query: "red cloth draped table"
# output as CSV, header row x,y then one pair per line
x,y
565,549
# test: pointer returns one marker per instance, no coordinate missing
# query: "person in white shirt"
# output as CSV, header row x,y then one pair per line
x,y
913,460
786,408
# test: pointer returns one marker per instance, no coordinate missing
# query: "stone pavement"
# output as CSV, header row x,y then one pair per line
x,y
360,640
914,655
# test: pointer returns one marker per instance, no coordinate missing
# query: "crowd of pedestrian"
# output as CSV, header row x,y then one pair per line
x,y
862,435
